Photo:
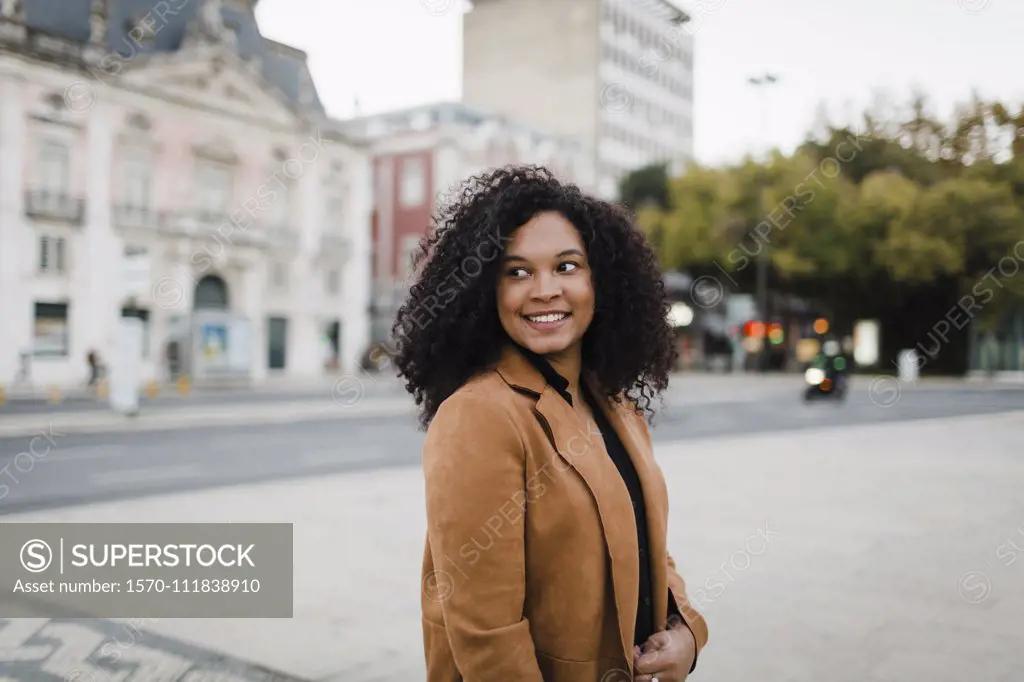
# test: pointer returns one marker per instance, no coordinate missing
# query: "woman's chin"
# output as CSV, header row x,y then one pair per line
x,y
546,346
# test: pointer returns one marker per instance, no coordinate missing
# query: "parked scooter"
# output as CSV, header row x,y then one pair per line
x,y
827,376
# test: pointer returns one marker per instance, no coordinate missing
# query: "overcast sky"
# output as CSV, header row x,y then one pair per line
x,y
395,53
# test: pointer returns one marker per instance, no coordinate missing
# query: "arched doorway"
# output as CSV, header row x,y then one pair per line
x,y
211,294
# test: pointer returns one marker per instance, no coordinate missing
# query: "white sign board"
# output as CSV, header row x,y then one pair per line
x,y
866,342
126,366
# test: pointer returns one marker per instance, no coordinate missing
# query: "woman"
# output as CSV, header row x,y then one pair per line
x,y
534,340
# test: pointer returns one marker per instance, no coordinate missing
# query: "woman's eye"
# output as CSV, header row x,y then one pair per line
x,y
571,266
516,272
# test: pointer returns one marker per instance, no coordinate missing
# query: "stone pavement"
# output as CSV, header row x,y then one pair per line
x,y
317,385
882,553
154,419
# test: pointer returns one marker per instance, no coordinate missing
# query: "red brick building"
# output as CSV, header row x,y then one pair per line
x,y
422,152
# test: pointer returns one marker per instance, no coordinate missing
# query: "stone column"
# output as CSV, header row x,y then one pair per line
x,y
16,244
357,277
247,297
304,350
98,255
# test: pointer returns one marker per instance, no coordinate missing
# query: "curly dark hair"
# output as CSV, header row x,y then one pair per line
x,y
448,329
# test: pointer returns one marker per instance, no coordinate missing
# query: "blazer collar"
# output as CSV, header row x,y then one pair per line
x,y
547,371
523,369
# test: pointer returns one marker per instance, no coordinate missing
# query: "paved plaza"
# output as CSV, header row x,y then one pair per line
x,y
873,553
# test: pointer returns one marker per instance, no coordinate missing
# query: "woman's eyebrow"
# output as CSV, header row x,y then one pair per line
x,y
567,252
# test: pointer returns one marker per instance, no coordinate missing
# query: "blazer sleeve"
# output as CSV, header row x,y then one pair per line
x,y
474,466
679,603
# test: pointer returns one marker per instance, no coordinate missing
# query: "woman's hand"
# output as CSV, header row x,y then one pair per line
x,y
667,656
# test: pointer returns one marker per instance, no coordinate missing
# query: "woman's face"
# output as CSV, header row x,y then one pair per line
x,y
545,290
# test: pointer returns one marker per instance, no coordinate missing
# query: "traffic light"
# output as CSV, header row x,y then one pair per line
x,y
753,329
821,326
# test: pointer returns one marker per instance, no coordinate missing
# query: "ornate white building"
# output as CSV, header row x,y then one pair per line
x,y
172,137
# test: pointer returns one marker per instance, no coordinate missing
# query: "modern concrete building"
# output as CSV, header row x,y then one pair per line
x,y
422,152
618,74
166,162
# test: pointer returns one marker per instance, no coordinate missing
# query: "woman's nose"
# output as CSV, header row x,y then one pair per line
x,y
546,287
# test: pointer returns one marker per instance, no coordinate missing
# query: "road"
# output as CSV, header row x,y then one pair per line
x,y
66,470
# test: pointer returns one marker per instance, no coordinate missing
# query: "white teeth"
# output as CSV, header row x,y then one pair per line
x,y
548,318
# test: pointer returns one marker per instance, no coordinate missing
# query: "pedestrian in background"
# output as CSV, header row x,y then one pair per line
x,y
535,341
173,360
92,358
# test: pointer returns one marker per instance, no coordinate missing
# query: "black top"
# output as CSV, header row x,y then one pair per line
x,y
645,626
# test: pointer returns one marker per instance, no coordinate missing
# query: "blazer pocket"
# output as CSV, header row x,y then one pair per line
x,y
557,669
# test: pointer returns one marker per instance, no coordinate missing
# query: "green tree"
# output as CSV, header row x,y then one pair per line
x,y
869,221
645,187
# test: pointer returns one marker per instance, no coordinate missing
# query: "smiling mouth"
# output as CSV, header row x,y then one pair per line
x,y
547,318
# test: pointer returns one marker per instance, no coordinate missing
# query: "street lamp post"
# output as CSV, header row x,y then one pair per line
x,y
761,83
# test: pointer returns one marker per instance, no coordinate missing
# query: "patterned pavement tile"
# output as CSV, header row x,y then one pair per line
x,y
94,650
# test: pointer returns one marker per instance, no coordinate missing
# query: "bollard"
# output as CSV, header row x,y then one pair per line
x,y
908,367
184,386
3,396
152,389
53,396
102,389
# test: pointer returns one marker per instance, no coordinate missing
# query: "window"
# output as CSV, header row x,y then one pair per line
x,y
279,277
333,282
52,254
54,167
414,188
136,179
215,187
280,207
141,30
410,244
335,210
50,332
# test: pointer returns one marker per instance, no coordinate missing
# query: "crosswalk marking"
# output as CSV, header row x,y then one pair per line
x,y
13,638
75,652
71,660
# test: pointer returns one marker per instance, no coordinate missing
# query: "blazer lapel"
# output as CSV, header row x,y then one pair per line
x,y
655,500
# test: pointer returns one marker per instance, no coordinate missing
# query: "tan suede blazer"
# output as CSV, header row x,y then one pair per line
x,y
530,563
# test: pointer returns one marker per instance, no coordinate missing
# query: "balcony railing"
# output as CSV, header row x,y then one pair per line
x,y
283,237
335,245
136,217
202,223
54,205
